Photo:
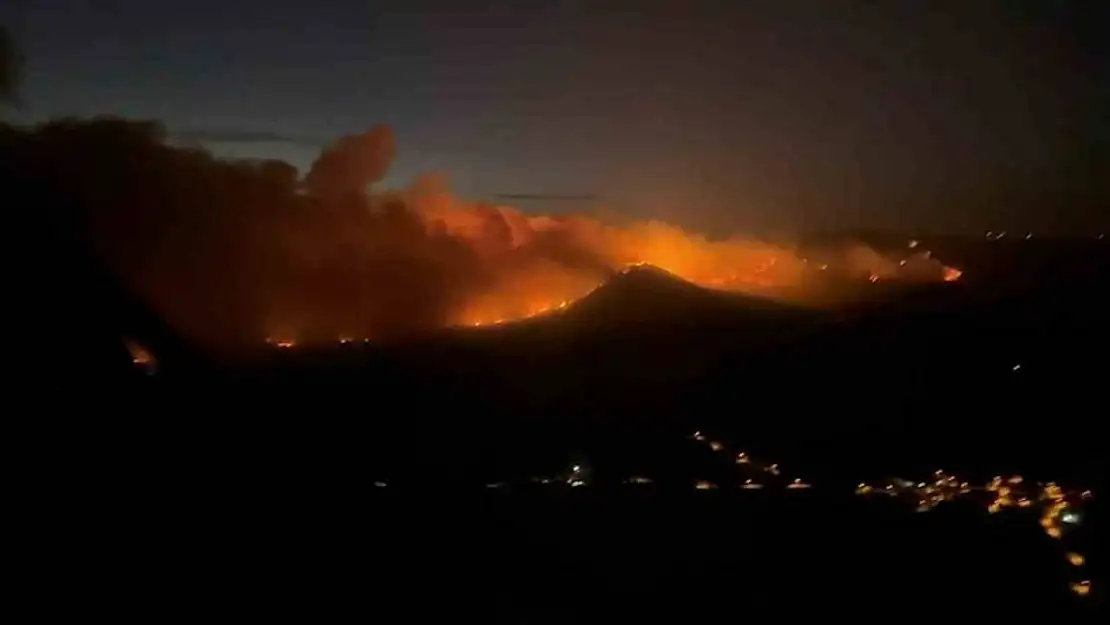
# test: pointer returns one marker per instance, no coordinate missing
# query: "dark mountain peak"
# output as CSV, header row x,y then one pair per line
x,y
652,278
644,293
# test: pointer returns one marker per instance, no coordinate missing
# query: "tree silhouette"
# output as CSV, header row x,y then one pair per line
x,y
11,65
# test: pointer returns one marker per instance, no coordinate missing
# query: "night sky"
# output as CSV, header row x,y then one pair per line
x,y
720,116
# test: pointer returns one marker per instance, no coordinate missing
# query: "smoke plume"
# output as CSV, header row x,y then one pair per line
x,y
235,251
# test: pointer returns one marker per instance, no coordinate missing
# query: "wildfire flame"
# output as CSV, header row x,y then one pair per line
x,y
227,251
139,355
543,264
529,289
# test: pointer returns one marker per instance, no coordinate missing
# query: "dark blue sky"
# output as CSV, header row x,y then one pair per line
x,y
720,115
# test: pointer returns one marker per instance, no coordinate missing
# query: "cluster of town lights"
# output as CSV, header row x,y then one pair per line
x,y
1056,508
1054,505
750,466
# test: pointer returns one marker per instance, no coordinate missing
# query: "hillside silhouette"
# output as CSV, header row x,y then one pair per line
x,y
647,295
232,252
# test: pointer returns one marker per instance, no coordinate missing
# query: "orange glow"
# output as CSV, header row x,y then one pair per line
x,y
139,355
526,285
332,255
539,287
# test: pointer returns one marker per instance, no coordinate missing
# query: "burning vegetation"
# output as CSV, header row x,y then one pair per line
x,y
233,251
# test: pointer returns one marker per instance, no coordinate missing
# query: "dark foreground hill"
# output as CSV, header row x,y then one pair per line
x,y
913,376
254,481
953,373
312,550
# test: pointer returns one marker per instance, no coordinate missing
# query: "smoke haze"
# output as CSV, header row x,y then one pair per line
x,y
233,251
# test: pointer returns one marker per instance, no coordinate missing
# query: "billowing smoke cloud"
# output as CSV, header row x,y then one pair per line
x,y
236,251
351,163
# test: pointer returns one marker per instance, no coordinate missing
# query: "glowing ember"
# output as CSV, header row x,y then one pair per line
x,y
139,354
141,357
